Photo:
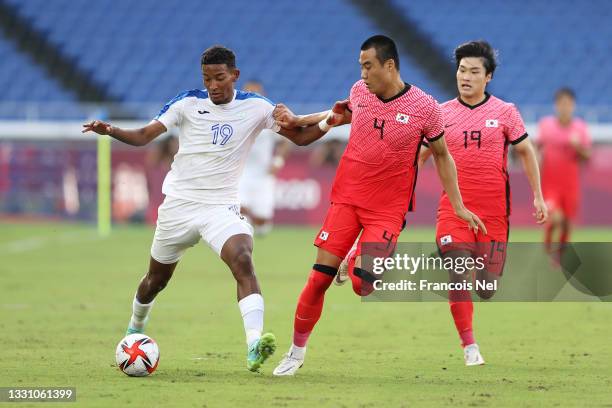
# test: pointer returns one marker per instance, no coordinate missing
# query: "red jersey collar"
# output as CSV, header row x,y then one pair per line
x,y
487,96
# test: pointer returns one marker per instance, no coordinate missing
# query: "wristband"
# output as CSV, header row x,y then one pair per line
x,y
324,126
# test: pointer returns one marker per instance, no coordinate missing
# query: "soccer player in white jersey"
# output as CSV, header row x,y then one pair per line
x,y
258,181
217,127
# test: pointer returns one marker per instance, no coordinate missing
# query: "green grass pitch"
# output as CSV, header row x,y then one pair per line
x,y
65,300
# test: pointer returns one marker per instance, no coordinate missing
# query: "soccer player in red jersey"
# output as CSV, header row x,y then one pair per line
x,y
564,143
374,183
479,128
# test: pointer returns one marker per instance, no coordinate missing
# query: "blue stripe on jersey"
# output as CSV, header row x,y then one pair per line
x,y
242,95
198,93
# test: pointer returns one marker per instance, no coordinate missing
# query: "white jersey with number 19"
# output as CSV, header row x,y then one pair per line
x,y
214,142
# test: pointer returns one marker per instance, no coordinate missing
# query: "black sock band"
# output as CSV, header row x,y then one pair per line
x,y
328,270
365,275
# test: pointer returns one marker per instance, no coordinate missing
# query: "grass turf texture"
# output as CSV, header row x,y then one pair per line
x,y
65,301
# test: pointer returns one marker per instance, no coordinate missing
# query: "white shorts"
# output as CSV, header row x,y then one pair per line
x,y
257,194
181,224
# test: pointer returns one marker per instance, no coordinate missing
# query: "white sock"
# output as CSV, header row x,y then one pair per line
x,y
297,352
140,314
252,311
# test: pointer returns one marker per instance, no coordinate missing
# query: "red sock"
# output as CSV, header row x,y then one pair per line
x,y
462,310
548,237
310,303
361,279
564,237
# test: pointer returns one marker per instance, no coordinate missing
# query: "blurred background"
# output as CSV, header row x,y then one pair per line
x,y
66,61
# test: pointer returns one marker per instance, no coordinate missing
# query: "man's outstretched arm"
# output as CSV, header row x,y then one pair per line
x,y
526,152
424,155
287,119
134,137
305,129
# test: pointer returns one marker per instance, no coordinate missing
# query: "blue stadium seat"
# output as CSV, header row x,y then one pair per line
x,y
23,81
543,45
303,52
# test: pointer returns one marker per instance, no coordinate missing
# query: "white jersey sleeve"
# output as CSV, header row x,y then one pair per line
x,y
171,114
269,122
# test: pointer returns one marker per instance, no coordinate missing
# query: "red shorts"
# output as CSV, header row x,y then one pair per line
x,y
453,233
565,200
344,222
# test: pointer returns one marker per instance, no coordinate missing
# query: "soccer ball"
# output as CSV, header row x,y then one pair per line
x,y
137,355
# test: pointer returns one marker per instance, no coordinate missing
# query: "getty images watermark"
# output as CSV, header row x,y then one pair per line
x,y
460,265
489,271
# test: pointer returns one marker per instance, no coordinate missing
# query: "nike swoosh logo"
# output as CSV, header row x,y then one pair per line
x,y
447,126
203,112
287,369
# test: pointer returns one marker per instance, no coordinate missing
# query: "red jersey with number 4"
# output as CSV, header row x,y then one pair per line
x,y
379,166
478,137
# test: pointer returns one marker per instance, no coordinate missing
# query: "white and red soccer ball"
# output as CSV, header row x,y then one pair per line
x,y
137,355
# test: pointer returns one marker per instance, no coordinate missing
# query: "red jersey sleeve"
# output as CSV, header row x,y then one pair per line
x,y
434,127
514,127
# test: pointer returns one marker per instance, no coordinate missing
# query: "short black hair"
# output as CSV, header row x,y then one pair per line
x,y
565,91
385,49
480,49
218,54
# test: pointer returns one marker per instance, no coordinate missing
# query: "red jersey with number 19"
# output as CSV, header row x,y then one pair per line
x,y
378,169
478,137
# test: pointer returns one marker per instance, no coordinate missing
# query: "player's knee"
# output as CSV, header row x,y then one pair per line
x,y
486,283
156,282
161,285
242,264
456,277
556,218
485,294
565,224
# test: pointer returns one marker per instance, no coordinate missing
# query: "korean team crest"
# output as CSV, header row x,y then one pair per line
x,y
402,118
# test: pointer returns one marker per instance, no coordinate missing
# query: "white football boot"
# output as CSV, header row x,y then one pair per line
x,y
289,364
472,356
342,276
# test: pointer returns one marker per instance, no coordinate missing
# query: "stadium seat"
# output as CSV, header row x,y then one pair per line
x,y
543,45
151,49
24,81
